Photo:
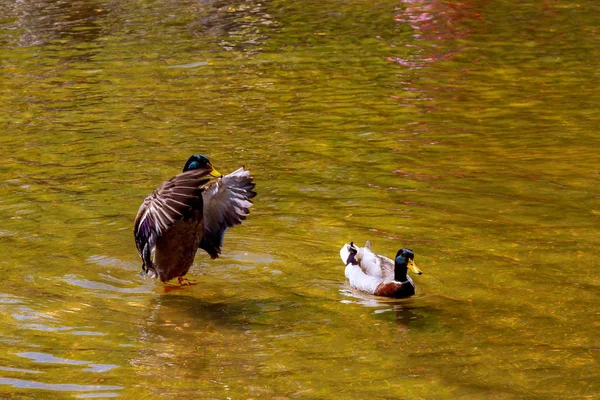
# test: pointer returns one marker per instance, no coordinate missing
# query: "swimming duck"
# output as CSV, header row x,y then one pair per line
x,y
375,274
189,211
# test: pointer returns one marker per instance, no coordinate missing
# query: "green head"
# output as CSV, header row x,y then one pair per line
x,y
199,161
405,259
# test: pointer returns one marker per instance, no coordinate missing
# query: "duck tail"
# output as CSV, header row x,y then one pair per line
x,y
348,254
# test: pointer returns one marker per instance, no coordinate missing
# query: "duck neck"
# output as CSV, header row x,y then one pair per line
x,y
400,276
400,270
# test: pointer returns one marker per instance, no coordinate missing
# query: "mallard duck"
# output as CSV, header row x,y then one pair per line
x,y
375,274
189,211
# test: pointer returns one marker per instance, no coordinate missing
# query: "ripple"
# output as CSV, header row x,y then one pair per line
x,y
27,314
88,284
21,370
190,65
364,299
59,387
87,333
100,367
46,328
9,299
251,257
50,359
109,261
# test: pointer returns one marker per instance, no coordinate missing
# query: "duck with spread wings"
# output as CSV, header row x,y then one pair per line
x,y
189,211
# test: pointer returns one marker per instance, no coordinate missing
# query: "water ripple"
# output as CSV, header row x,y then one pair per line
x,y
60,387
49,358
21,370
88,284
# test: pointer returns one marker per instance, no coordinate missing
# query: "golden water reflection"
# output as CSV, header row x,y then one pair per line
x,y
464,131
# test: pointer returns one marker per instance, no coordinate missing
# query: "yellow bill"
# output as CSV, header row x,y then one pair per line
x,y
215,173
413,267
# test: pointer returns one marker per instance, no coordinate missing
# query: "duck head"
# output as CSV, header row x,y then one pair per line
x,y
199,161
405,259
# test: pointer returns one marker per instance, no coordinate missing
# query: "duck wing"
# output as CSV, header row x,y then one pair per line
x,y
226,203
374,264
172,200
387,268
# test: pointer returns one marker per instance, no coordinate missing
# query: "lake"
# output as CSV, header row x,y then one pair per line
x,y
466,131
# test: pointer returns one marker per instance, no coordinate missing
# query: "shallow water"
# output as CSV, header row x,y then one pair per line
x,y
465,131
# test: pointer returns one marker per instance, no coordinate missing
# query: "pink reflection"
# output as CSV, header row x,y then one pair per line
x,y
438,29
439,20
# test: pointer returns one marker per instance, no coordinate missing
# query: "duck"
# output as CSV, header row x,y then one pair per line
x,y
191,210
378,275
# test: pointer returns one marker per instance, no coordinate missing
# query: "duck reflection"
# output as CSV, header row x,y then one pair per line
x,y
199,335
404,312
407,314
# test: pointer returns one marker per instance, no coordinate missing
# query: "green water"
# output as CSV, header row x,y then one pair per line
x,y
467,131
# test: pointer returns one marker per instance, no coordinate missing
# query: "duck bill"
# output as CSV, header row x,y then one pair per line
x,y
413,267
215,173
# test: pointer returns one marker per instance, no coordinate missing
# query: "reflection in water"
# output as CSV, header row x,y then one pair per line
x,y
43,22
105,287
189,65
20,370
196,339
405,314
96,395
55,322
434,20
49,358
55,387
239,26
407,311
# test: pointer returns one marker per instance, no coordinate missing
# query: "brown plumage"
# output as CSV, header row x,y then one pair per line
x,y
187,212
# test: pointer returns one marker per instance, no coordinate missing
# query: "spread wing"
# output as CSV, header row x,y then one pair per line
x,y
226,203
172,200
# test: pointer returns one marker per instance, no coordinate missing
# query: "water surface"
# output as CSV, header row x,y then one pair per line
x,y
466,131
